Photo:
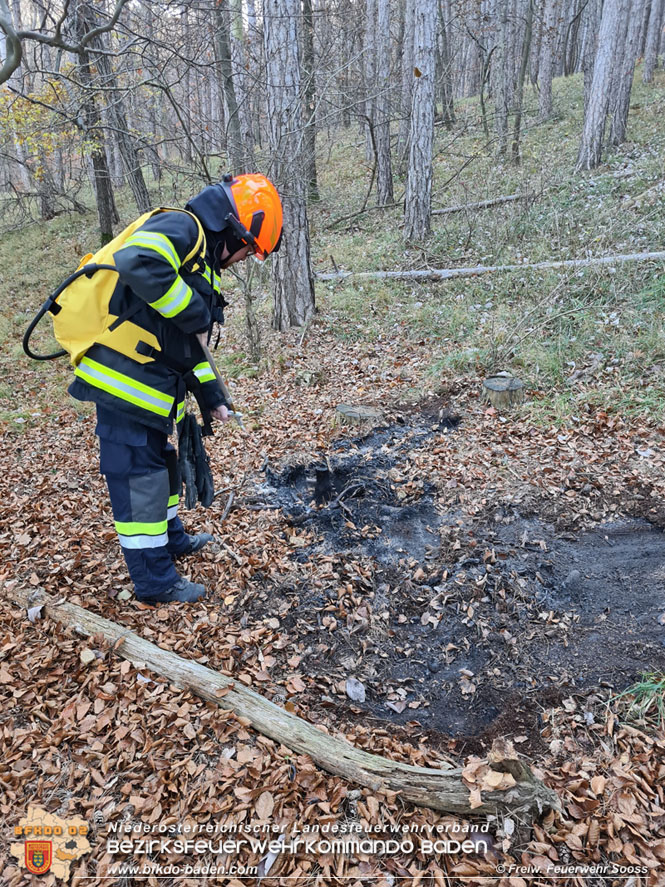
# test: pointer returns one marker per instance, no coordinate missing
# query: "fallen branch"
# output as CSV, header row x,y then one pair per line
x,y
438,789
481,204
450,273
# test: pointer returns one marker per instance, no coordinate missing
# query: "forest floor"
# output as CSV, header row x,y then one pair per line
x,y
481,574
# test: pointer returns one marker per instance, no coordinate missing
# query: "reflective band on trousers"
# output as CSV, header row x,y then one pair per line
x,y
157,243
124,387
174,300
203,372
139,534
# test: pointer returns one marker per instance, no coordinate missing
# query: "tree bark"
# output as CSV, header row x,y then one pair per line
x,y
653,40
444,63
421,134
106,208
591,146
451,273
309,96
406,82
293,286
546,66
519,90
626,75
381,105
118,119
438,789
234,144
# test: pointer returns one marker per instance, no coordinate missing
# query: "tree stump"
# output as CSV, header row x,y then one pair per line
x,y
503,391
346,414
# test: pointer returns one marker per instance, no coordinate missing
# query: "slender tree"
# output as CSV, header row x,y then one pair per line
x,y
309,94
381,106
293,287
626,73
106,208
421,134
653,39
406,88
614,16
547,53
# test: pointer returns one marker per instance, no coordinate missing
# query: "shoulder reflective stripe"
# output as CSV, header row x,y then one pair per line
x,y
174,300
203,372
143,541
140,528
158,243
124,387
180,412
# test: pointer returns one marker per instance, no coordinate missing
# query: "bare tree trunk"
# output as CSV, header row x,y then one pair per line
x,y
626,75
381,105
644,30
407,81
592,15
653,40
118,119
519,92
309,93
223,54
106,209
444,64
241,82
293,286
546,65
421,134
499,73
611,25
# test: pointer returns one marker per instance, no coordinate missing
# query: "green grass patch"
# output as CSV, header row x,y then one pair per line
x,y
645,700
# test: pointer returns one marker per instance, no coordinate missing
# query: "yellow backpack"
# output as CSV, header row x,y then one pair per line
x,y
80,305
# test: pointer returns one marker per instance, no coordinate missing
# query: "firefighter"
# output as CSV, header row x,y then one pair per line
x,y
138,399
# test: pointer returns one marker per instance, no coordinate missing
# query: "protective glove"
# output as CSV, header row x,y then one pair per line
x,y
194,465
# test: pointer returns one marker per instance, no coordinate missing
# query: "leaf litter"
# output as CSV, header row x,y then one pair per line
x,y
295,617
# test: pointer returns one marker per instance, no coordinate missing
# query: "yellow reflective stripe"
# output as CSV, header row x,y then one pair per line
x,y
174,300
139,528
124,387
158,243
203,372
216,281
180,412
173,500
207,273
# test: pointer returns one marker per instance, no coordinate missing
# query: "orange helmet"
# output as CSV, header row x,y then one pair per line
x,y
257,212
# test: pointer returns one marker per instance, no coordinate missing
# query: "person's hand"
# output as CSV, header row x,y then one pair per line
x,y
220,413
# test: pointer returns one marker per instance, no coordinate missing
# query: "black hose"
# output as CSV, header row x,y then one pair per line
x,y
89,270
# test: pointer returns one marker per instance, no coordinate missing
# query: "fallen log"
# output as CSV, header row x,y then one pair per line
x,y
439,789
450,273
481,204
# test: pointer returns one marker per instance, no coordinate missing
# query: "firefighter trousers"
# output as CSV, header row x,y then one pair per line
x,y
141,471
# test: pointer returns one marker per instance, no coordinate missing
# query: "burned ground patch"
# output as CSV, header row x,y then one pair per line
x,y
469,627
366,499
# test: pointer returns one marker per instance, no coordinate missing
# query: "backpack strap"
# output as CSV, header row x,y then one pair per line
x,y
195,258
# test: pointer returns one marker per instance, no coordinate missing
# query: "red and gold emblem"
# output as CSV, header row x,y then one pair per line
x,y
38,856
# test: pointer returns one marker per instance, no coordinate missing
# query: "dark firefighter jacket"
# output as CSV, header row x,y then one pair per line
x,y
171,303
